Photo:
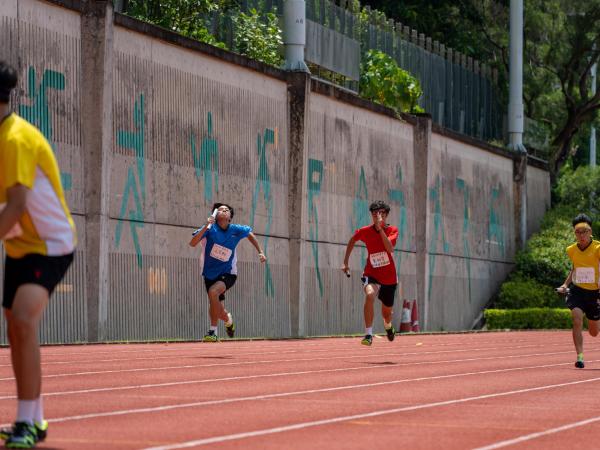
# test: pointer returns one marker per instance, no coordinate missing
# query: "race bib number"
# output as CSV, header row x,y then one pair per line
x,y
221,253
585,275
379,259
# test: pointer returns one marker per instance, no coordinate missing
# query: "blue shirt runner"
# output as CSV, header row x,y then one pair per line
x,y
219,249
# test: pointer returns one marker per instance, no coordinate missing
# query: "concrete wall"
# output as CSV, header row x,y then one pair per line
x,y
151,128
538,198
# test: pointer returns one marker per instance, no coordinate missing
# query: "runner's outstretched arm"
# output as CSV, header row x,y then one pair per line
x,y
256,245
349,249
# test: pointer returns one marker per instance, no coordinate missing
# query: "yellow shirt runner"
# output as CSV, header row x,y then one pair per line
x,y
26,158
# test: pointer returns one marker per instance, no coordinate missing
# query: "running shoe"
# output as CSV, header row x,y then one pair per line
x,y
41,429
367,340
579,364
230,329
23,435
211,336
391,333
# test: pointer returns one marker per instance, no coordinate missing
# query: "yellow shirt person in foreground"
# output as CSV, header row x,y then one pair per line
x,y
39,239
581,285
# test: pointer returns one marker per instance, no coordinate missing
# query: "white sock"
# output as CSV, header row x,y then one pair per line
x,y
229,320
213,328
369,331
38,415
26,410
386,325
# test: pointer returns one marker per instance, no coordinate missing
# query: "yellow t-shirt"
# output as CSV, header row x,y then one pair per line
x,y
585,265
26,158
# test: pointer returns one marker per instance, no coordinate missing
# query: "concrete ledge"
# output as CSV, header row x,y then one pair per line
x,y
197,46
330,90
74,5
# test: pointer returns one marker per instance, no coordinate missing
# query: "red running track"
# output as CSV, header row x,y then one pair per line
x,y
450,391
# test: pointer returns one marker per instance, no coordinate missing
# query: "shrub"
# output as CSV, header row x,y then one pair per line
x,y
527,293
528,318
257,37
544,258
382,81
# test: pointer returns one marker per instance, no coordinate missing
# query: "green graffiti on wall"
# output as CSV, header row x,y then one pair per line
x,y
207,163
462,186
438,227
495,231
315,167
397,196
133,140
360,209
360,204
263,181
38,112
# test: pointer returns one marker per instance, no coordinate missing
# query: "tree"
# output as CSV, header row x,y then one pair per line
x,y
559,51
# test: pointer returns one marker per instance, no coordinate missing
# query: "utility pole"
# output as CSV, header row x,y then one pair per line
x,y
515,116
294,35
593,129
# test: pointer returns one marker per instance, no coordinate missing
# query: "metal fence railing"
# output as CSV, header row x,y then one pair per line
x,y
458,92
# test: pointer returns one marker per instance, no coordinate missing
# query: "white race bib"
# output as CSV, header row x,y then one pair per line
x,y
221,253
379,259
585,275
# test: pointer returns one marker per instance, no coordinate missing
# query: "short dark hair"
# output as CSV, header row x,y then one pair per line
x,y
218,205
379,204
8,80
582,218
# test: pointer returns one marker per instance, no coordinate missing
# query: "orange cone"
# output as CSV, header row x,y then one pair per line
x,y
405,323
414,317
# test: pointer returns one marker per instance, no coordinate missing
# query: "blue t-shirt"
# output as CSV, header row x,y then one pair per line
x,y
219,249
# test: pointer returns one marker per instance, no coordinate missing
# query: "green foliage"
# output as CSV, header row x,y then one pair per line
x,y
544,258
258,37
383,82
580,188
528,319
559,39
527,293
190,18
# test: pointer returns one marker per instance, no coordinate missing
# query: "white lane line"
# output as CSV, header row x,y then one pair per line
x,y
531,436
283,374
302,425
275,361
303,392
151,358
242,345
242,354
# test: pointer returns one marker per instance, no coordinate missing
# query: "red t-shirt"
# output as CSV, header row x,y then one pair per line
x,y
380,263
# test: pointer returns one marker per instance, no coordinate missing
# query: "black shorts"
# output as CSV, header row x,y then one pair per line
x,y
586,300
46,271
386,291
227,278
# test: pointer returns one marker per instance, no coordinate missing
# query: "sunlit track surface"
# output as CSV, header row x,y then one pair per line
x,y
456,391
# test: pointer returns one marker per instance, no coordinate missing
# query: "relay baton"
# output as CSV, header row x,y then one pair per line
x,y
214,214
347,272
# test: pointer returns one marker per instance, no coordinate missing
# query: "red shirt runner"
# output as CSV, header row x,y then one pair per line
x,y
380,263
